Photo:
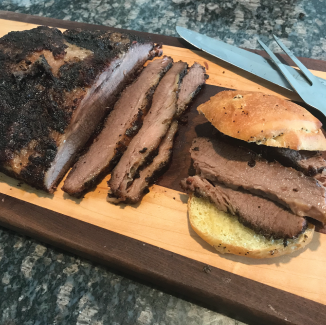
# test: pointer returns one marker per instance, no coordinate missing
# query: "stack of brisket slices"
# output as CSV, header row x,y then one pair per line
x,y
270,190
137,139
73,84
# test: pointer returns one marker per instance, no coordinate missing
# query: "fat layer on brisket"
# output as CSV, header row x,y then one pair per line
x,y
120,127
156,123
238,167
260,214
55,88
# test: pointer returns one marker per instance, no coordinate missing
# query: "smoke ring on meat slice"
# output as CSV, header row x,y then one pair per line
x,y
65,82
137,189
190,87
120,127
155,126
260,214
237,167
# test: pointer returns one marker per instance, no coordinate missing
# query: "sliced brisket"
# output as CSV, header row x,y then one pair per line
x,y
308,162
156,123
238,167
191,85
120,127
137,189
260,214
54,91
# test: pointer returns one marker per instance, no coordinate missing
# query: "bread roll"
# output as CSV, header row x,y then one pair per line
x,y
227,235
264,119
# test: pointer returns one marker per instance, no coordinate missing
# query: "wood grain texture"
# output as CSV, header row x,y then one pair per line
x,y
161,220
222,291
115,235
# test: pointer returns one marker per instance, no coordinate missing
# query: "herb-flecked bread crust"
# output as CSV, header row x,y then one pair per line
x,y
264,119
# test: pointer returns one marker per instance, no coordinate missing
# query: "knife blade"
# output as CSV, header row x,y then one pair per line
x,y
242,59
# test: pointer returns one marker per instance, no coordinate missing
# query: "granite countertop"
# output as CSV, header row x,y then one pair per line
x,y
42,285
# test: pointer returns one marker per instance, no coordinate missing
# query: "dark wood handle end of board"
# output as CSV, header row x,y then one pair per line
x,y
224,292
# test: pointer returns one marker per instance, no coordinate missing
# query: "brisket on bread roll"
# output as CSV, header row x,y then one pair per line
x,y
244,199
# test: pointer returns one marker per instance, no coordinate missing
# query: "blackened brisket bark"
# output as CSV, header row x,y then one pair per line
x,y
121,125
311,163
238,167
190,87
308,162
54,90
156,123
262,215
137,189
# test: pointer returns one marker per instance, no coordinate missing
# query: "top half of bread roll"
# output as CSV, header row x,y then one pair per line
x,y
264,119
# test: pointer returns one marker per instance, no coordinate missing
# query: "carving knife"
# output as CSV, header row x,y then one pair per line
x,y
242,59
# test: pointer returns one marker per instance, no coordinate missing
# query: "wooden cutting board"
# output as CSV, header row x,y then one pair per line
x,y
153,240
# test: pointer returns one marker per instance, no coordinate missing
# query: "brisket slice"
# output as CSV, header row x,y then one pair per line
x,y
308,162
156,123
311,163
262,215
55,88
190,87
238,167
120,127
147,175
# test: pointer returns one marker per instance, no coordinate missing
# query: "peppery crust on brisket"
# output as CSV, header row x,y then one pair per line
x,y
42,83
150,172
119,128
156,163
238,167
155,126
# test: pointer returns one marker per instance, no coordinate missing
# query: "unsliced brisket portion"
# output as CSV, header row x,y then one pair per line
x,y
260,214
155,125
54,90
137,189
238,167
191,85
120,127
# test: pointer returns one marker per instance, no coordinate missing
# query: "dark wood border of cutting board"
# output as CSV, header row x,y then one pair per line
x,y
224,292
227,293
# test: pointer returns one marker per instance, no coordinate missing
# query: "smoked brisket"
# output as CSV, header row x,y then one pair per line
x,y
121,125
144,145
238,167
308,162
262,215
55,88
137,189
190,87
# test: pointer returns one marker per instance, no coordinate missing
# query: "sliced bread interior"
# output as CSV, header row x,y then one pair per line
x,y
227,235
